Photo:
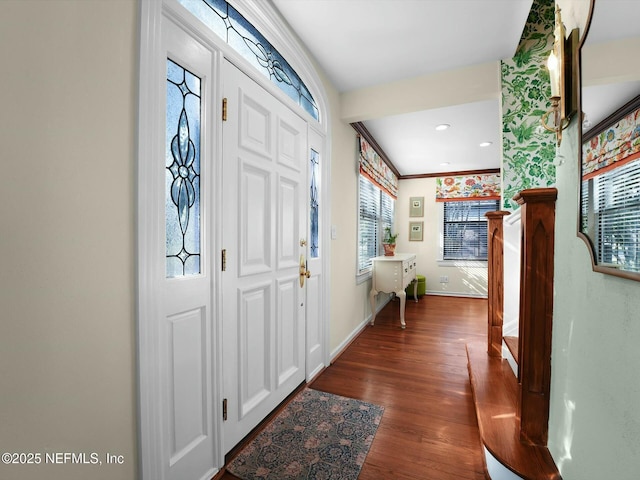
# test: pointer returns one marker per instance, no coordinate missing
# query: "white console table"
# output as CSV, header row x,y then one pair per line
x,y
393,274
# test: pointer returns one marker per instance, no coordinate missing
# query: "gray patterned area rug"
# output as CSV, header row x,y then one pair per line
x,y
318,435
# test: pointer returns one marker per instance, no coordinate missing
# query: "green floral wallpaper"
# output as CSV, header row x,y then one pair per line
x,y
528,149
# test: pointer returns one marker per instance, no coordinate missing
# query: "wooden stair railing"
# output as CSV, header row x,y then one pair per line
x,y
495,287
536,311
513,414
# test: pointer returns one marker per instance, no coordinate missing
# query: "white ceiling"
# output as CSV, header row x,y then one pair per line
x,y
416,147
360,43
363,43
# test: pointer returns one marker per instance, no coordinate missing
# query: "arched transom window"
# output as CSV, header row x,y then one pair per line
x,y
226,22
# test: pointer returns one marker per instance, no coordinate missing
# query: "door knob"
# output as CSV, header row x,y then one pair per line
x,y
304,273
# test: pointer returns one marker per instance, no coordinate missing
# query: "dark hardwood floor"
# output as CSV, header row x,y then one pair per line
x,y
429,428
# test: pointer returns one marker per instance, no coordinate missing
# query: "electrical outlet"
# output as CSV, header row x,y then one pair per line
x,y
444,279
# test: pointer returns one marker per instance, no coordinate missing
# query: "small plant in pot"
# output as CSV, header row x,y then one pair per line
x,y
389,242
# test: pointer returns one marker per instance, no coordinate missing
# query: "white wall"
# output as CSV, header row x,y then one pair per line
x,y
594,424
464,280
67,138
512,242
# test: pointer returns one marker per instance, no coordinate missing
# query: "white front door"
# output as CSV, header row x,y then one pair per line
x,y
206,334
265,152
316,251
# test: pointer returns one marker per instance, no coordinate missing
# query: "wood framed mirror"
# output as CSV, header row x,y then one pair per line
x,y
609,215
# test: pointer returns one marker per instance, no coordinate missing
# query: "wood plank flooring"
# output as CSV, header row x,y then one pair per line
x,y
429,428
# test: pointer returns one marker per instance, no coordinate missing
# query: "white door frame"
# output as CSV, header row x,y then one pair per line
x,y
150,248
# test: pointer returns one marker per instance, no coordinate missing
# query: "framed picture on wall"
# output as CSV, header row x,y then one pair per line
x,y
416,206
415,231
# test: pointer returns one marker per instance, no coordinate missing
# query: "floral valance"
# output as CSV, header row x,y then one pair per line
x,y
376,170
612,148
468,187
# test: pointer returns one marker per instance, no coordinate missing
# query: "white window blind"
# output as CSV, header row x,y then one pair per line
x,y
584,207
376,210
465,229
616,214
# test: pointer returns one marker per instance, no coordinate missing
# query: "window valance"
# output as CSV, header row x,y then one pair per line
x,y
468,187
376,170
613,147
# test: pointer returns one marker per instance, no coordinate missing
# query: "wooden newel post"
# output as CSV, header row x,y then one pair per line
x,y
536,311
495,283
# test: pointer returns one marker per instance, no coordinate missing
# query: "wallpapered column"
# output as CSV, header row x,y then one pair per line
x,y
528,149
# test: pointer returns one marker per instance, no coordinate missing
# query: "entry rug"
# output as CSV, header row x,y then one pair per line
x,y
318,435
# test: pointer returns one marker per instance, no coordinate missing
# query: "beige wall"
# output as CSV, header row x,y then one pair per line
x,y
67,289
68,282
422,93
67,294
464,278
349,300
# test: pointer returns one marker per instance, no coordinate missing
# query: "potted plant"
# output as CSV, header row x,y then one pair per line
x,y
389,242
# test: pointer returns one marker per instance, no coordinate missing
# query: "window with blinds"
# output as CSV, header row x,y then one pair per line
x,y
615,209
375,213
584,207
465,229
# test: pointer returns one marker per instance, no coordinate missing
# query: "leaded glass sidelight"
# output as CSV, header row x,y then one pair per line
x,y
314,169
227,23
182,173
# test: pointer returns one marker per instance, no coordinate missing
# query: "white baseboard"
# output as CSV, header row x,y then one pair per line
x,y
338,350
356,331
456,294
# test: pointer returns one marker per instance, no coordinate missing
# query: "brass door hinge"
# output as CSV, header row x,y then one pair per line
x,y
224,409
224,109
224,259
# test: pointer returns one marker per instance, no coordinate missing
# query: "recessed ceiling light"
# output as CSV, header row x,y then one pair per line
x,y
444,164
486,144
442,126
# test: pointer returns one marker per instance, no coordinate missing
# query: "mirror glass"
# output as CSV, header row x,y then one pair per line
x,y
610,161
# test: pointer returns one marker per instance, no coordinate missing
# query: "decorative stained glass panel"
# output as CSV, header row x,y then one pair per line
x,y
314,169
226,22
182,173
